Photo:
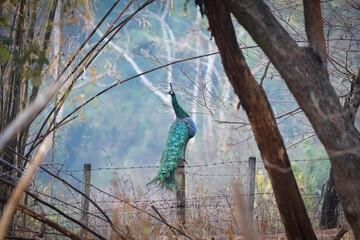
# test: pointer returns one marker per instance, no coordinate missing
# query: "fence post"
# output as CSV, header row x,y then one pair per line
x,y
85,201
180,193
251,185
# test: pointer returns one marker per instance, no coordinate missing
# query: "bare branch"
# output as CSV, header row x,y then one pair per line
x,y
85,62
314,28
352,101
265,72
117,84
45,220
57,210
160,216
137,208
23,183
231,122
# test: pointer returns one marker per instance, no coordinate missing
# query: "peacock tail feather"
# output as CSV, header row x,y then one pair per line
x,y
173,152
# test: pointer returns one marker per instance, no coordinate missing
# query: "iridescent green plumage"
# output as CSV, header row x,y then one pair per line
x,y
173,151
180,132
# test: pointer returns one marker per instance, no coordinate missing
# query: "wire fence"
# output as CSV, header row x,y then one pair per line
x,y
187,166
212,211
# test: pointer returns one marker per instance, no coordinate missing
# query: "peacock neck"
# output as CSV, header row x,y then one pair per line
x,y
180,113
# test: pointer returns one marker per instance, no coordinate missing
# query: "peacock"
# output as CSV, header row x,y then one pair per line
x,y
182,129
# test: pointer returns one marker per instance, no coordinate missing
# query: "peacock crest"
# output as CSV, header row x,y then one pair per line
x,y
182,129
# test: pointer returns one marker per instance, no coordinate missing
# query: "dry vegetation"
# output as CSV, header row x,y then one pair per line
x,y
131,209
123,210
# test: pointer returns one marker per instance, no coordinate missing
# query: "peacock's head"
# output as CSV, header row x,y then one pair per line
x,y
171,92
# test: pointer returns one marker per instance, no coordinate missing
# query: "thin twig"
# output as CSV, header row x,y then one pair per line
x,y
73,71
101,211
265,72
57,210
45,220
121,82
341,233
82,69
288,113
231,122
162,218
86,58
135,207
77,190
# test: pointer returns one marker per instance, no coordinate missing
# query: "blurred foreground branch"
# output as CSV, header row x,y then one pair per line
x,y
20,188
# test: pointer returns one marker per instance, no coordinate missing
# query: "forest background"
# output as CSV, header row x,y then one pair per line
x,y
122,132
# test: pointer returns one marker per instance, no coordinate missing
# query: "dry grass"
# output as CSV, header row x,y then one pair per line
x,y
208,216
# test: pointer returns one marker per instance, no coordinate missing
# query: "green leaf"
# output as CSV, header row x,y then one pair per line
x,y
43,60
66,6
34,48
4,55
36,81
37,71
4,20
20,60
28,73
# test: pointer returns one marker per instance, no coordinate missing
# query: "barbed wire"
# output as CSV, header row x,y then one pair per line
x,y
188,199
194,202
191,201
215,175
187,166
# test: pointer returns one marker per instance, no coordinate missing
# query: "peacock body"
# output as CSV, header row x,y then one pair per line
x,y
182,129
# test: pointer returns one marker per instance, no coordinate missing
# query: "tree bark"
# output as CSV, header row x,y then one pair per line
x,y
302,70
329,213
314,28
291,206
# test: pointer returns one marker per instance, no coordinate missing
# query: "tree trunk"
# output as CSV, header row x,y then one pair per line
x,y
12,104
46,41
330,213
307,79
291,206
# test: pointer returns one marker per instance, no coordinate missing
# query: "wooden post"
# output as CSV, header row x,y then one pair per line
x,y
180,193
85,201
251,185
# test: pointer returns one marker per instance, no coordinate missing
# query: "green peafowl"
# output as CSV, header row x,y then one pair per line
x,y
180,132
